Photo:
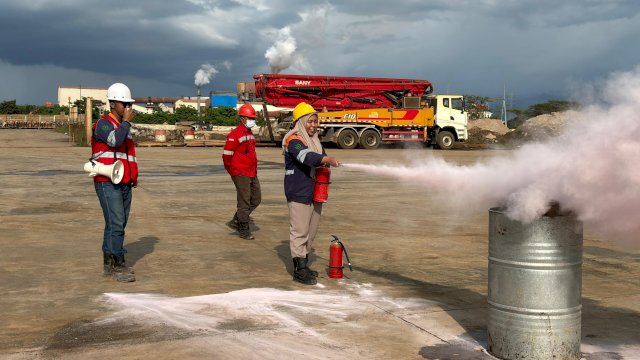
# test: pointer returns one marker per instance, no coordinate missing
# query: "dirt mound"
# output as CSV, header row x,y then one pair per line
x,y
486,131
540,128
493,125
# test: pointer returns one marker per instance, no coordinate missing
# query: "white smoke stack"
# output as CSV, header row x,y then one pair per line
x,y
282,54
202,77
204,74
198,98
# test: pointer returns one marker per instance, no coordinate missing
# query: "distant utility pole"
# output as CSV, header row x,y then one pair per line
x,y
503,116
87,120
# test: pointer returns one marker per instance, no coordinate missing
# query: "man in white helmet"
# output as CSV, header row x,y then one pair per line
x,y
112,141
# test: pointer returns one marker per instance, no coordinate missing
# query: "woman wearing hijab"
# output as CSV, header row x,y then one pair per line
x,y
302,154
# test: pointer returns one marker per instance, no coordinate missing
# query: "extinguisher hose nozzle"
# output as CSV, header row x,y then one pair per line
x,y
347,255
335,239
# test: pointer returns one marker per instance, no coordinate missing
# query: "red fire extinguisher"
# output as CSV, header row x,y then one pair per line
x,y
335,258
321,188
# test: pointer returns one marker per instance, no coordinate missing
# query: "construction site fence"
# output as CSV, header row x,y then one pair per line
x,y
17,121
73,127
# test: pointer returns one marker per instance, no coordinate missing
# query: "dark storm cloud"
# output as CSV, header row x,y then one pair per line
x,y
464,46
110,37
155,40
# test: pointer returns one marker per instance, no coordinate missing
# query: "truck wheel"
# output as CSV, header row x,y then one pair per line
x,y
348,139
445,140
370,139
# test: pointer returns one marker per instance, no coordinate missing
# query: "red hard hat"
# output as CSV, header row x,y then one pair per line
x,y
248,111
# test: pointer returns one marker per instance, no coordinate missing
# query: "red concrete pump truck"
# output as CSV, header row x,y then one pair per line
x,y
358,111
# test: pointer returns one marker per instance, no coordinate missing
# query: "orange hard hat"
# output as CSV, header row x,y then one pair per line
x,y
247,111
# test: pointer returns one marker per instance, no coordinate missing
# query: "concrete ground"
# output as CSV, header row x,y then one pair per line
x,y
417,290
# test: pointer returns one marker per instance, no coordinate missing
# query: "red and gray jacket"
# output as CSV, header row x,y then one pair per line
x,y
239,154
112,141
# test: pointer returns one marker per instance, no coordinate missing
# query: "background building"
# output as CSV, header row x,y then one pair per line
x,y
68,95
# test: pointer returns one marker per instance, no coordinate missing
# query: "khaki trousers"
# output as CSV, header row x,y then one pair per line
x,y
249,196
303,225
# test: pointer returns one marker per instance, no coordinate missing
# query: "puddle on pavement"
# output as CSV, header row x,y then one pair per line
x,y
42,173
455,350
83,333
59,208
188,171
603,356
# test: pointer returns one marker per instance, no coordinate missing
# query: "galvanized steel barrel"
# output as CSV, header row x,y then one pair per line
x,y
535,287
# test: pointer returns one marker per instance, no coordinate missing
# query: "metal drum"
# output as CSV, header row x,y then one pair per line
x,y
535,286
161,135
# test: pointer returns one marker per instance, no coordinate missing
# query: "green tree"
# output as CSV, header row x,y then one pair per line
x,y
157,117
53,110
26,109
223,115
476,105
549,107
185,113
96,112
81,105
9,107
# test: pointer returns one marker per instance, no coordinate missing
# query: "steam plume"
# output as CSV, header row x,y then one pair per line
x,y
282,54
592,169
204,74
227,65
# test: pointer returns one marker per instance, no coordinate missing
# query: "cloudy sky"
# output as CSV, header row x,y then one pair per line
x,y
536,48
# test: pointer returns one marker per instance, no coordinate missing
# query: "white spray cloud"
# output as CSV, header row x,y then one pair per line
x,y
282,54
204,74
592,169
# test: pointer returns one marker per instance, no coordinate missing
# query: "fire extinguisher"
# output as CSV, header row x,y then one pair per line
x,y
321,188
335,258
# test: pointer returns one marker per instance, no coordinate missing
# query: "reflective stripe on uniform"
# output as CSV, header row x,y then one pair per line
x,y
302,154
246,137
227,152
119,155
111,139
289,172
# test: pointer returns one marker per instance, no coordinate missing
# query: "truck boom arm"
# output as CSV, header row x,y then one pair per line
x,y
337,92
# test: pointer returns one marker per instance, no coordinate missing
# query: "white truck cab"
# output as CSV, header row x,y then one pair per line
x,y
451,118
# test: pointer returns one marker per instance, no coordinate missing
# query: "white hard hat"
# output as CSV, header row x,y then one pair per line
x,y
119,92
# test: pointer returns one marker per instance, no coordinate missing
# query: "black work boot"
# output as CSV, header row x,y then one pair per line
x,y
121,272
315,273
244,231
233,223
107,262
252,225
301,272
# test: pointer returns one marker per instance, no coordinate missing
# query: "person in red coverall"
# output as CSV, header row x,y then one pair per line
x,y
241,162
